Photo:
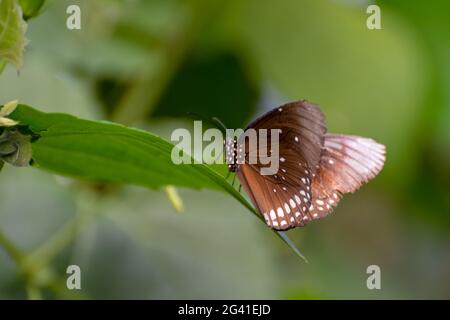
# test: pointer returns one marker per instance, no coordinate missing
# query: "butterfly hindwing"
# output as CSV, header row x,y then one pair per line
x,y
347,162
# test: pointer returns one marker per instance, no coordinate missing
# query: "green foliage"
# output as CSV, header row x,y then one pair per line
x,y
107,152
12,33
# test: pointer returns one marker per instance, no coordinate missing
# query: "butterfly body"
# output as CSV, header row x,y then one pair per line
x,y
315,168
231,153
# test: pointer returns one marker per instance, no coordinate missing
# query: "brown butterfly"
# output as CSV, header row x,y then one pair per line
x,y
315,168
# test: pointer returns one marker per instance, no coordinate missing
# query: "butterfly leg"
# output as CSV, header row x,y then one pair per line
x,y
240,187
234,179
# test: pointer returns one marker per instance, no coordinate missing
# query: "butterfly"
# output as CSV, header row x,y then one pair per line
x,y
315,170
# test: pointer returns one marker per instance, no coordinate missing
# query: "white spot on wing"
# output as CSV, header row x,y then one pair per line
x,y
273,215
292,203
280,212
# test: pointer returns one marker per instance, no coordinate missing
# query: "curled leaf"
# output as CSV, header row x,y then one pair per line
x,y
15,148
7,148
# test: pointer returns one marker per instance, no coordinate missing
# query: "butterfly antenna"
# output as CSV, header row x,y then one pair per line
x,y
220,123
215,122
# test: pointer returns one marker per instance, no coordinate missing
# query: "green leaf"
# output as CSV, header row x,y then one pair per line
x,y
12,32
105,151
31,8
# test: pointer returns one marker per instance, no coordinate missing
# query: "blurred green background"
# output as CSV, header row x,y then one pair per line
x,y
147,63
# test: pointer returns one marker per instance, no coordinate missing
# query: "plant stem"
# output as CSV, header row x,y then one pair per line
x,y
11,248
174,198
64,236
18,257
33,293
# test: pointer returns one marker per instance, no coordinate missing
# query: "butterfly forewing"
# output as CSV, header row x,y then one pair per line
x,y
285,197
346,163
301,127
